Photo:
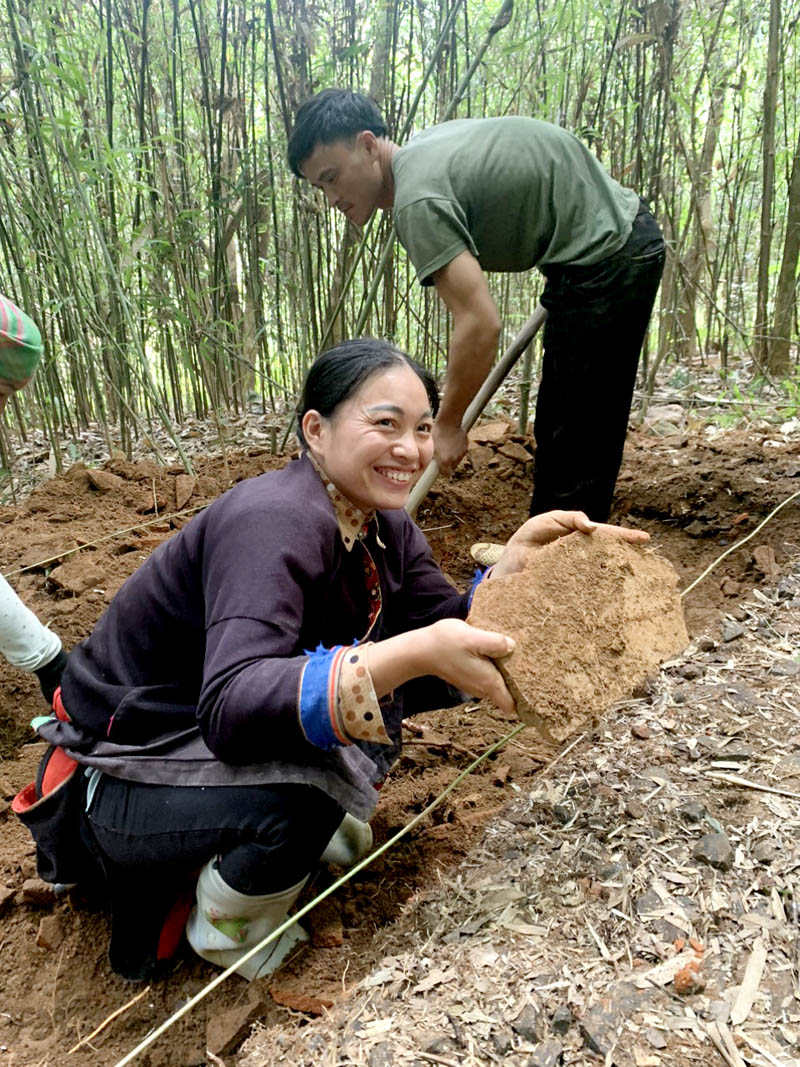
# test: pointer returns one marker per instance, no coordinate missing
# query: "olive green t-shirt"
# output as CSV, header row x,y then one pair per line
x,y
515,192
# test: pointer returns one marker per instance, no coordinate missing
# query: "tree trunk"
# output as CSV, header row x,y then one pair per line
x,y
786,293
761,328
701,250
380,55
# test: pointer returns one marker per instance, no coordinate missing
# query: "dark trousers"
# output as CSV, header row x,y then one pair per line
x,y
596,321
153,839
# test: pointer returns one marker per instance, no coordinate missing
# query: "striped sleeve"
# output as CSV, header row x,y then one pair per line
x,y
337,703
20,344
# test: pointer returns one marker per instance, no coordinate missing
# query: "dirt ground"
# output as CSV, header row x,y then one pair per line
x,y
695,494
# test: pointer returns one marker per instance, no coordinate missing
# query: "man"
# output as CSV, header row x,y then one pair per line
x,y
508,194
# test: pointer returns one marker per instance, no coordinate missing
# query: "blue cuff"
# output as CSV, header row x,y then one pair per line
x,y
480,574
319,693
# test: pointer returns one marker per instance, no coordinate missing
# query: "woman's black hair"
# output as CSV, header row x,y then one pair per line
x,y
335,375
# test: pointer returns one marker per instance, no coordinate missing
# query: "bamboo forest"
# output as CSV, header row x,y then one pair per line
x,y
150,222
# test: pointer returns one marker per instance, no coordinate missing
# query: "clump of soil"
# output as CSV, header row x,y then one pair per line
x,y
592,618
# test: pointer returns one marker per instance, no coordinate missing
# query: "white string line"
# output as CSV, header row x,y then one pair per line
x,y
105,537
738,544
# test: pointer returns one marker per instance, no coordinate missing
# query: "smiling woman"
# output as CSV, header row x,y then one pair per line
x,y
372,434
237,705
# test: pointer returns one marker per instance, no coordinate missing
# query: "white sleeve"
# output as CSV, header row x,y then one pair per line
x,y
24,641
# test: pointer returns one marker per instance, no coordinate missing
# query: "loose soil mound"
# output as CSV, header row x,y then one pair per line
x,y
693,496
592,618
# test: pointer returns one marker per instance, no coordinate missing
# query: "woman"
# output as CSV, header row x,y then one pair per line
x,y
244,692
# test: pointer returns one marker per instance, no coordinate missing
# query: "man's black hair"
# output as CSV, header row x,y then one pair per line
x,y
332,115
337,374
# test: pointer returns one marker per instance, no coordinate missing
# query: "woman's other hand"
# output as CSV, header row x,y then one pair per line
x,y
542,529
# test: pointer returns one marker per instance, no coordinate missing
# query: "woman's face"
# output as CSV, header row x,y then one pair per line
x,y
378,442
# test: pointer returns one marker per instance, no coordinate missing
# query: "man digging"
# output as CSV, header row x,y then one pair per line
x,y
508,194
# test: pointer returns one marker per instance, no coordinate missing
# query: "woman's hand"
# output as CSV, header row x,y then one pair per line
x,y
542,529
450,649
464,656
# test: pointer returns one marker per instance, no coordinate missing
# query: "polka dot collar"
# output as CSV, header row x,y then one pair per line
x,y
353,522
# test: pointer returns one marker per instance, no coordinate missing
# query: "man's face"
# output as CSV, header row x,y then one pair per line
x,y
349,174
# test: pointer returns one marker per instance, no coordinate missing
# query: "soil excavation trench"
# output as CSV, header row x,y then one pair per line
x,y
695,497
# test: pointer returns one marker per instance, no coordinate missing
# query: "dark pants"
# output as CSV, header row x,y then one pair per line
x,y
596,321
153,840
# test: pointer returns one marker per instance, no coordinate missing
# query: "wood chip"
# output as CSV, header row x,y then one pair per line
x,y
645,1059
751,1041
436,977
723,1041
663,973
734,779
750,983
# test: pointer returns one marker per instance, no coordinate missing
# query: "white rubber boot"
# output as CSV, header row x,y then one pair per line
x,y
351,842
224,924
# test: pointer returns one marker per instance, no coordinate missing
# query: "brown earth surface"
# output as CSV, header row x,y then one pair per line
x,y
693,494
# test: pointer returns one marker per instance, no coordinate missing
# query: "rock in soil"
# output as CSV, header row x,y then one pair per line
x,y
692,810
502,1042
548,1054
655,1038
50,933
765,851
691,671
786,668
6,897
592,618
38,893
104,481
562,1020
381,1055
715,850
529,1024
226,1031
600,1027
731,630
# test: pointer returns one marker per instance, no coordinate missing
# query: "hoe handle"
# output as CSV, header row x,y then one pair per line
x,y
496,376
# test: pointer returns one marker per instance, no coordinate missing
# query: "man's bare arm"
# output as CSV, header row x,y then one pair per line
x,y
473,345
